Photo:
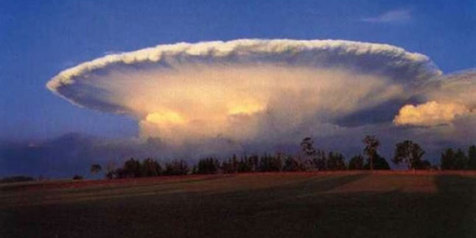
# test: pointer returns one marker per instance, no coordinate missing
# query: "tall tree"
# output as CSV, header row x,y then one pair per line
x,y
371,145
409,153
307,148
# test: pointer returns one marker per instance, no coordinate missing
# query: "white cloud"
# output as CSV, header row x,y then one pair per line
x,y
394,16
393,62
259,91
430,114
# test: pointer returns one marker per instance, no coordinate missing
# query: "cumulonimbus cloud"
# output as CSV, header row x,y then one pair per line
x,y
249,90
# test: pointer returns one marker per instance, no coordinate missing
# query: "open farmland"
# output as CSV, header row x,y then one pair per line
x,y
313,204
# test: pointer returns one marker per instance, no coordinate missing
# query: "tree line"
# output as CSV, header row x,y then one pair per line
x,y
308,159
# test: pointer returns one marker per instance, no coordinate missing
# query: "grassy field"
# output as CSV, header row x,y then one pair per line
x,y
340,204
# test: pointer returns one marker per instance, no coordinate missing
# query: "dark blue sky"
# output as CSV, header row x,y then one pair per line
x,y
40,38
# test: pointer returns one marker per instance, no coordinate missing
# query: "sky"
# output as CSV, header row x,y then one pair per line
x,y
40,39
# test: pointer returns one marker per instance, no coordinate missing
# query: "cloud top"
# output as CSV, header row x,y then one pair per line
x,y
255,90
313,53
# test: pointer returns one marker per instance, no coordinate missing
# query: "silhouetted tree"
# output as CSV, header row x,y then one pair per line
x,y
448,159
254,162
472,157
150,168
269,163
227,167
356,163
208,166
176,167
451,160
131,169
335,161
77,177
371,146
461,161
95,168
307,146
248,164
230,165
291,164
309,153
409,153
320,160
380,163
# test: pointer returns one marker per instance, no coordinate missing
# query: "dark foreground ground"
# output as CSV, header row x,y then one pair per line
x,y
247,205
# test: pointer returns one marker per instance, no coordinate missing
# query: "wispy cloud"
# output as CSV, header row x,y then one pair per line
x,y
393,16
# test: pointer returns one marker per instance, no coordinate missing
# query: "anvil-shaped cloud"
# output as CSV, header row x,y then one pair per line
x,y
267,90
